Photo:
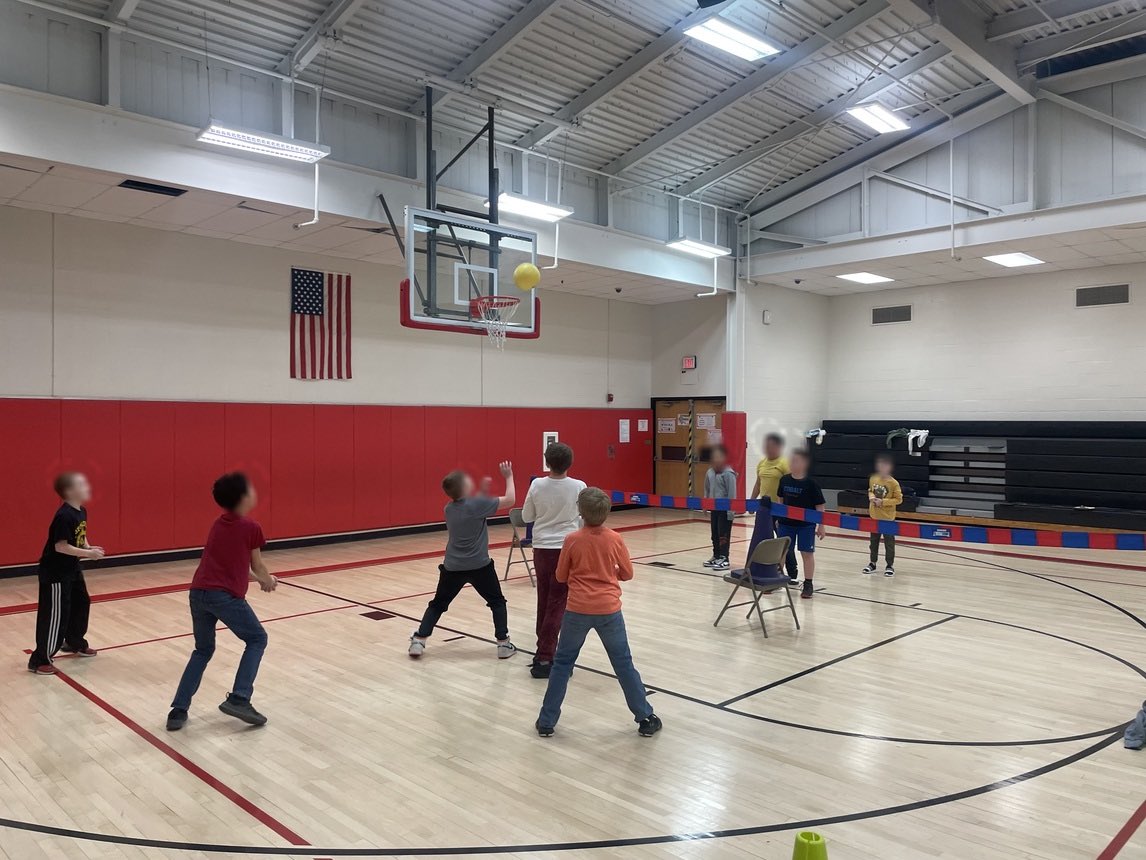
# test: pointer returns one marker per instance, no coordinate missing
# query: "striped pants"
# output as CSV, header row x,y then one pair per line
x,y
62,618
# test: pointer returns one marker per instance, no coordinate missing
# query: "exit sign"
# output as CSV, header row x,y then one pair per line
x,y
688,362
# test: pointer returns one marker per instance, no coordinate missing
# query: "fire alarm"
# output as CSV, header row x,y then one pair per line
x,y
687,362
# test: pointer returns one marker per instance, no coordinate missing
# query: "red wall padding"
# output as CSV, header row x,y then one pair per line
x,y
319,469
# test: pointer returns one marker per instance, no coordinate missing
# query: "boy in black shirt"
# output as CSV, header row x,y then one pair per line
x,y
797,490
62,618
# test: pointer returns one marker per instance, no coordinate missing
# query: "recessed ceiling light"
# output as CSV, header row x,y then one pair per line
x,y
515,204
1012,261
700,249
262,143
878,118
865,278
720,34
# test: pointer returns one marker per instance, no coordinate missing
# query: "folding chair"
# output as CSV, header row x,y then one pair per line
x,y
770,552
521,540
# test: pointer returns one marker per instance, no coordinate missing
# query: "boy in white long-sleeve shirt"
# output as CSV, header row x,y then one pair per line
x,y
551,506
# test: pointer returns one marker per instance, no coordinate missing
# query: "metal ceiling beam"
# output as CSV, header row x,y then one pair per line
x,y
633,66
121,10
961,30
929,130
745,87
491,48
871,89
309,46
1113,122
1082,38
1033,17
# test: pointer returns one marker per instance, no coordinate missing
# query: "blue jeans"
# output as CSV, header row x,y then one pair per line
x,y
208,608
611,628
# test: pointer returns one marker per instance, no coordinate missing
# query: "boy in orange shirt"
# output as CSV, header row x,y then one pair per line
x,y
594,561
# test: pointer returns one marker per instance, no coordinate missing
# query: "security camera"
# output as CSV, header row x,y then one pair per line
x,y
616,289
799,280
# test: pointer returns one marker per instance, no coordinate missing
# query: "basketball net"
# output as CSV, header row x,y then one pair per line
x,y
495,312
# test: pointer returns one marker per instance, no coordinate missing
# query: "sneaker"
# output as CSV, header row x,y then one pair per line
x,y
46,669
505,650
176,720
242,710
540,670
890,571
649,726
721,564
793,580
711,562
543,731
869,569
80,652
417,647
808,593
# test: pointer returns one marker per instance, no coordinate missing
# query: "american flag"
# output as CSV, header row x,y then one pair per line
x,y
319,325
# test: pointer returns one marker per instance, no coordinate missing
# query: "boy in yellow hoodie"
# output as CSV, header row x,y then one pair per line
x,y
884,496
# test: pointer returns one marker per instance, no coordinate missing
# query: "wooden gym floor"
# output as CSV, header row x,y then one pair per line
x,y
968,708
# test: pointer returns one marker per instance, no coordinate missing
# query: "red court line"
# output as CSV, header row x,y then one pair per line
x,y
172,588
1123,836
186,763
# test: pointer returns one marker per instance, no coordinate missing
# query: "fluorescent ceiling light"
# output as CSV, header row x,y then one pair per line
x,y
700,249
865,278
1012,261
720,34
262,142
878,118
523,206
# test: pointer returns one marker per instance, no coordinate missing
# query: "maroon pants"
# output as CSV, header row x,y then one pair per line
x,y
551,596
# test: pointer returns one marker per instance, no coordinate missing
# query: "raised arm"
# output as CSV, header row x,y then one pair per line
x,y
259,572
510,498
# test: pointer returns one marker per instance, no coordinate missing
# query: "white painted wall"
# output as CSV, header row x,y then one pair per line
x,y
695,327
97,309
1006,348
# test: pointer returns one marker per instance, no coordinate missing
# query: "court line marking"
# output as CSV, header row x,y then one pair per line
x,y
834,661
191,767
1123,836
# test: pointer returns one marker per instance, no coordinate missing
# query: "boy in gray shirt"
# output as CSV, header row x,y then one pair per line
x,y
720,483
467,559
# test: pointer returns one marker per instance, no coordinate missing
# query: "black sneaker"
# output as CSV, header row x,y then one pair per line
x,y
649,726
890,571
241,709
540,670
869,569
176,720
543,731
808,592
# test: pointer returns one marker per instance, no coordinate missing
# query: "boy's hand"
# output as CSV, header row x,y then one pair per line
x,y
95,552
820,533
506,469
268,583
877,502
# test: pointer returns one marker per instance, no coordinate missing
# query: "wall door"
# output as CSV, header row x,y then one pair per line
x,y
685,432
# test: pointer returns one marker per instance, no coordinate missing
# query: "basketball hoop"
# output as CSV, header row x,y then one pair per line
x,y
495,312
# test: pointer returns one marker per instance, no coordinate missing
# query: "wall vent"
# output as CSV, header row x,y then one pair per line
x,y
1111,294
152,188
897,314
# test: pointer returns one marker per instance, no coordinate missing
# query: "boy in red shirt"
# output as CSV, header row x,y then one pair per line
x,y
231,558
594,561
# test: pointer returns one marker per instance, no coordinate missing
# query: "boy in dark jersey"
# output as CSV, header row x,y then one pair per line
x,y
797,490
62,617
231,558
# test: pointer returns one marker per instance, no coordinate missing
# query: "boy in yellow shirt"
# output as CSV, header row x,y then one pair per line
x,y
769,471
884,496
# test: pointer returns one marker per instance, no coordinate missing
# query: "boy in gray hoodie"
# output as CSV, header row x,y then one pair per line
x,y
720,483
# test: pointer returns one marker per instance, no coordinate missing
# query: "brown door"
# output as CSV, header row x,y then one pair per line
x,y
685,430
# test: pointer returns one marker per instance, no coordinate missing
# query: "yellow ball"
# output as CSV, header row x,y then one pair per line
x,y
526,276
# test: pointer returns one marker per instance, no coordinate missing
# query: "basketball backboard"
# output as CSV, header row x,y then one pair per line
x,y
451,260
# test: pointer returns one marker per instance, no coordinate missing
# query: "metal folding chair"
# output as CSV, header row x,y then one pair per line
x,y
768,552
521,540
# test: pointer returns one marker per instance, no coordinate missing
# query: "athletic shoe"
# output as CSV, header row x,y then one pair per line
x,y
176,720
890,571
544,731
793,580
712,562
721,564
80,652
46,669
417,647
242,710
808,592
649,726
540,670
505,650
869,569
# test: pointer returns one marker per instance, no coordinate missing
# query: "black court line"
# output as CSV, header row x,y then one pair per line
x,y
834,661
453,638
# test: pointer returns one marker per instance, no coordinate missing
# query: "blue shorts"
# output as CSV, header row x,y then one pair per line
x,y
803,535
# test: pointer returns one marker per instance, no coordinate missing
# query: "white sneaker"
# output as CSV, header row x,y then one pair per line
x,y
711,562
417,647
869,569
720,564
505,650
